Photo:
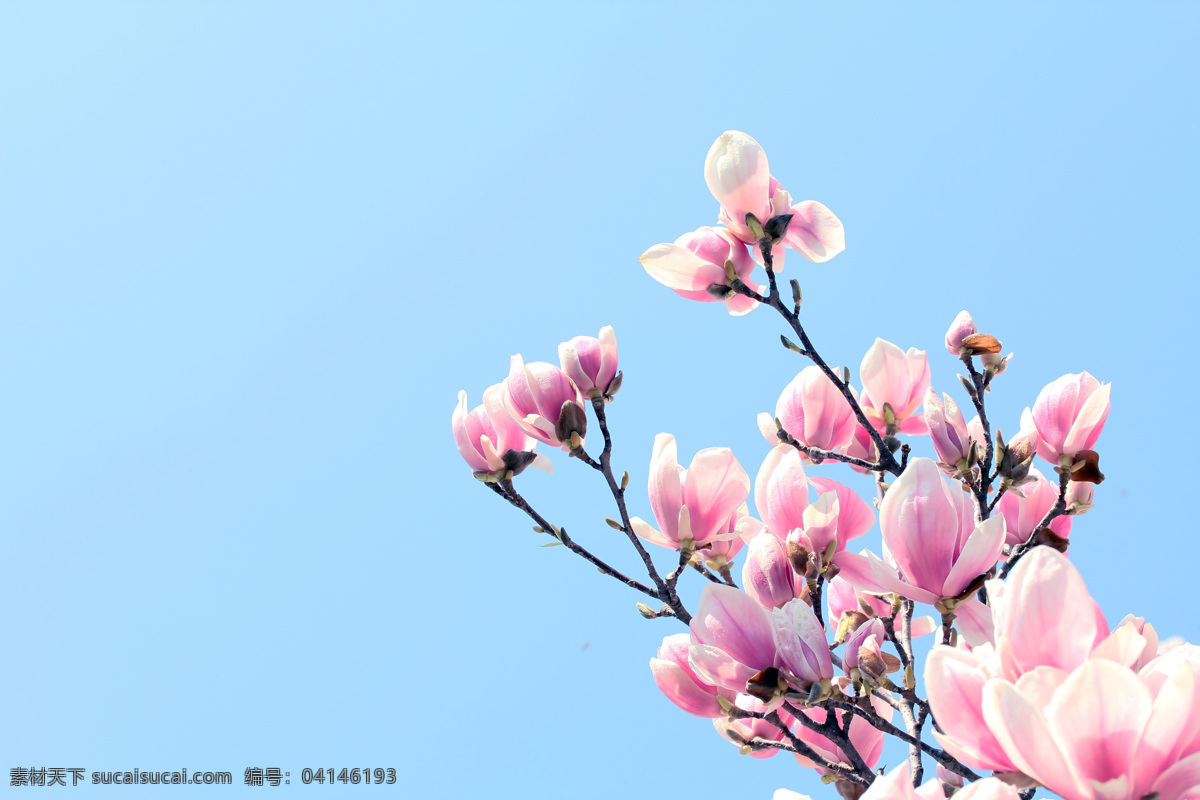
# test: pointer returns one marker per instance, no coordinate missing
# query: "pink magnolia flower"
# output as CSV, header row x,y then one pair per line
x,y
954,680
781,495
813,411
679,683
1044,620
738,176
929,531
696,503
732,638
544,402
696,262
489,440
801,646
767,574
1023,514
962,327
1044,615
1099,732
864,653
1069,415
894,385
948,430
591,364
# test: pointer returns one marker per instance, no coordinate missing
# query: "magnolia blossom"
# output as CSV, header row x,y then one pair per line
x,y
545,403
813,411
948,431
695,263
1069,415
592,363
738,176
680,684
733,638
767,573
1090,714
489,440
894,384
694,504
1022,515
929,531
782,497
962,327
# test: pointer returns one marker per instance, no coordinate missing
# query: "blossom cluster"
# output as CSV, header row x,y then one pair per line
x,y
811,653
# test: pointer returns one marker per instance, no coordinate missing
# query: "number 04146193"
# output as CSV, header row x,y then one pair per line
x,y
355,775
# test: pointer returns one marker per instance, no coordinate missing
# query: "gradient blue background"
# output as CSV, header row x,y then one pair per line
x,y
251,252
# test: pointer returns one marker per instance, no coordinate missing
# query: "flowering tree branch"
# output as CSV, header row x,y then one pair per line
x,y
759,660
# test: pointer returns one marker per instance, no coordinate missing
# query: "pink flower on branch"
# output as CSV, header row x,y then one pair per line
x,y
894,385
698,266
679,682
951,439
781,494
491,441
1069,415
693,506
813,411
591,364
734,639
930,534
738,176
545,403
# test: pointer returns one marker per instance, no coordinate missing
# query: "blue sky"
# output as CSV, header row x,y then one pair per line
x,y
251,252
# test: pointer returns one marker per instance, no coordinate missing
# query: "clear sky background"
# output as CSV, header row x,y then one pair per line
x,y
251,252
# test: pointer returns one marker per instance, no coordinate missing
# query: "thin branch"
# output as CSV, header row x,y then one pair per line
x,y
818,455
992,505
985,480
666,593
879,723
1060,508
509,493
773,299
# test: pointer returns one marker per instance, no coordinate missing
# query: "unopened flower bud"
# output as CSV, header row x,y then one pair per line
x,y
590,363
776,227
1014,458
572,424
1079,497
994,363
962,327
848,623
799,555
